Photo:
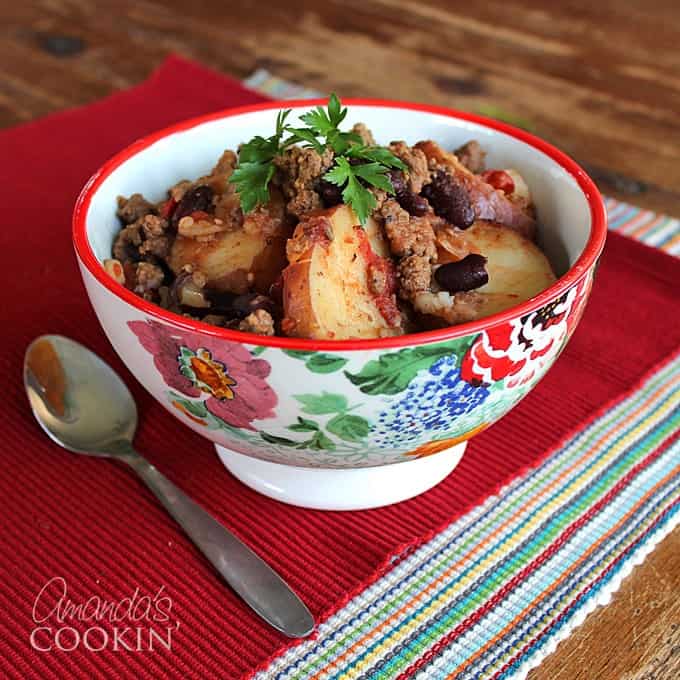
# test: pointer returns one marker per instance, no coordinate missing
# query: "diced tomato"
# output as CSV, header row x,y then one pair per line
x,y
499,179
130,271
385,301
168,208
200,215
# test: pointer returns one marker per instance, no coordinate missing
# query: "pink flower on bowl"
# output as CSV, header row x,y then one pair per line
x,y
197,365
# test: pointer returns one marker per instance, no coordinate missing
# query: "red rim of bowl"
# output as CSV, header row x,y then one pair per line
x,y
587,259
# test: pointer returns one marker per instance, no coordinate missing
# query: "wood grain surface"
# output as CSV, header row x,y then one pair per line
x,y
601,80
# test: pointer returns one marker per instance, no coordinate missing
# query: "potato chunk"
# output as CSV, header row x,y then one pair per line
x,y
517,268
338,285
249,257
233,261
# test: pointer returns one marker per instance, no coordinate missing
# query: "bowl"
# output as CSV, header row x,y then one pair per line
x,y
343,424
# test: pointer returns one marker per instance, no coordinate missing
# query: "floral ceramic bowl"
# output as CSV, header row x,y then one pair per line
x,y
343,424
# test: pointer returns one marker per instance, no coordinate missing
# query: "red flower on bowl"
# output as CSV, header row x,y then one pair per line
x,y
521,350
227,375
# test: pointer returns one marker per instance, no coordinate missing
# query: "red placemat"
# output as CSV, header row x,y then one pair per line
x,y
93,525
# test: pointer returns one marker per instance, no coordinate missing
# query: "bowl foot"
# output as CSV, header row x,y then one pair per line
x,y
342,489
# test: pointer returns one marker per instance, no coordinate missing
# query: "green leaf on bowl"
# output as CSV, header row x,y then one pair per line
x,y
349,427
321,442
256,351
392,373
273,439
320,404
316,362
196,408
304,425
297,354
325,363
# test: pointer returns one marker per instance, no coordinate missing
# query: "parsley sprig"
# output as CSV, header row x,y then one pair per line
x,y
256,166
356,167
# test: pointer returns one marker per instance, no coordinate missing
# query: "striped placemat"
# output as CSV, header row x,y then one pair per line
x,y
654,229
495,592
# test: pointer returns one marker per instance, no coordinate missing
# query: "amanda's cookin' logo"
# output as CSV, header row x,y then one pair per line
x,y
136,623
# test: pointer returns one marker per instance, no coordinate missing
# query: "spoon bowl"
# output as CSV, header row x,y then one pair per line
x,y
77,398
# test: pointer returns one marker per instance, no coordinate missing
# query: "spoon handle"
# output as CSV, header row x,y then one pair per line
x,y
249,575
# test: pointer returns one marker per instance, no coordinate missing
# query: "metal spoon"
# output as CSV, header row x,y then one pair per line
x,y
85,407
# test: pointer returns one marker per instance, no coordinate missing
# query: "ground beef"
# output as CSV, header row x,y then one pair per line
x,y
218,179
365,134
416,160
377,279
153,226
131,209
303,202
472,156
259,322
126,246
145,237
226,164
228,208
299,172
157,246
148,277
397,223
414,275
407,235
156,242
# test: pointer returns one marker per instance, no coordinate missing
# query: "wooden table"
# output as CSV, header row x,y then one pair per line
x,y
599,79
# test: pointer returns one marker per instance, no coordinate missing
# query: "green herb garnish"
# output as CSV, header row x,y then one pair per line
x,y
256,166
370,166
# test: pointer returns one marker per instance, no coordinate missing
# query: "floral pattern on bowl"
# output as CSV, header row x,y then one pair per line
x,y
227,379
356,408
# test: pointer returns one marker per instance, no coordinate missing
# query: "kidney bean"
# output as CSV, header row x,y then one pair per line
x,y
449,200
331,194
409,201
466,274
197,199
413,204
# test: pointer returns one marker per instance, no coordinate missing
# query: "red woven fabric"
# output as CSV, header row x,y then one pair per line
x,y
92,523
